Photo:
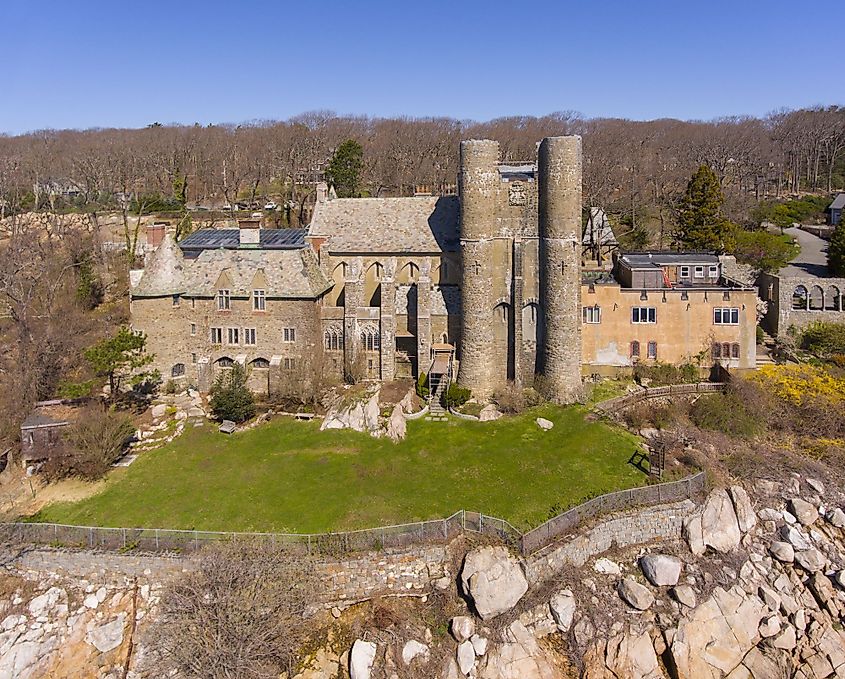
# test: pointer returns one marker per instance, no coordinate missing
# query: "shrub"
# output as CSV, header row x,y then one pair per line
x,y
511,399
75,389
727,413
659,374
422,386
231,399
763,250
456,396
761,336
91,445
824,338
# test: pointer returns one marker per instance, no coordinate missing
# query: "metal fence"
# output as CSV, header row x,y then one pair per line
x,y
335,544
566,522
614,404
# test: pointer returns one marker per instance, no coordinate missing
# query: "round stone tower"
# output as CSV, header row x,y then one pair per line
x,y
559,216
478,187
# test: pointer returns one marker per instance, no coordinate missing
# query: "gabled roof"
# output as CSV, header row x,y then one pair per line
x,y
292,274
423,224
162,274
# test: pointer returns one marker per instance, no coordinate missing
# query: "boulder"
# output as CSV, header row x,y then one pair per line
x,y
462,627
745,516
361,659
43,603
159,411
684,594
660,569
712,639
91,601
493,579
634,594
769,514
806,513
816,485
719,526
544,424
520,657
811,560
396,425
786,640
794,537
479,644
107,637
414,649
782,551
562,606
769,626
607,567
489,413
836,517
632,656
466,657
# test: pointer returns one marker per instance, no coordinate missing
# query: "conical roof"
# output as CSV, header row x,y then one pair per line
x,y
163,273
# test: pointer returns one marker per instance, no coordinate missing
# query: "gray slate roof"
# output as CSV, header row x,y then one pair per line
x,y
292,274
423,224
641,260
838,202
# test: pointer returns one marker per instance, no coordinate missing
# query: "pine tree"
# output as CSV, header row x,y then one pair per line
x,y
836,251
701,225
344,168
231,398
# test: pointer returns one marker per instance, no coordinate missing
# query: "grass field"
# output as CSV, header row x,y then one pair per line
x,y
287,476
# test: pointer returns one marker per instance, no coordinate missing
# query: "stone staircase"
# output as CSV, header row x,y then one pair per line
x,y
438,385
764,350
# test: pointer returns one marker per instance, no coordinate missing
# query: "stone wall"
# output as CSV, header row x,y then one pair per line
x,y
823,293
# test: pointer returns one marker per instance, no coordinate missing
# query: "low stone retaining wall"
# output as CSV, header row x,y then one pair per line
x,y
651,524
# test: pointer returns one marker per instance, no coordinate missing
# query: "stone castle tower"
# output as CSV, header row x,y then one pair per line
x,y
520,264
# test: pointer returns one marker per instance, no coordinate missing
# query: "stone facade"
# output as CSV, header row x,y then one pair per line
x,y
797,301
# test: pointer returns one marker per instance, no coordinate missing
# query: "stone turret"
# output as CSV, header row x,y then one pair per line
x,y
479,183
559,215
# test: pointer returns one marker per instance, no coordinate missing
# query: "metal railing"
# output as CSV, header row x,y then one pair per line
x,y
367,539
614,404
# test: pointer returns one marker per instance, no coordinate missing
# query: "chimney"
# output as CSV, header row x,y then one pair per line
x,y
249,231
322,192
155,234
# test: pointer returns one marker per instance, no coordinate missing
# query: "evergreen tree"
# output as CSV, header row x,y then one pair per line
x,y
231,398
344,169
836,251
701,225
120,358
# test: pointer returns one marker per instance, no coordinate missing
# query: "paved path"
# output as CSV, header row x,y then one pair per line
x,y
813,256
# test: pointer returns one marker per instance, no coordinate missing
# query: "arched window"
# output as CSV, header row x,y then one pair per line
x,y
734,350
726,350
831,299
409,273
816,298
333,339
337,295
177,370
260,363
635,349
800,299
717,350
501,312
370,338
224,362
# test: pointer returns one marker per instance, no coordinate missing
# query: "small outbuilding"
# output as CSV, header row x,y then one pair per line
x,y
836,208
42,430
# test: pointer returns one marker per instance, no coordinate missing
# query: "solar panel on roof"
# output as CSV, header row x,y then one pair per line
x,y
271,239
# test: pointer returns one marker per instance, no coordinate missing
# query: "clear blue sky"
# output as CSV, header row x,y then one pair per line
x,y
127,63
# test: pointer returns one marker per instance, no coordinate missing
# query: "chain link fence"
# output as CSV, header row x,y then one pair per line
x,y
337,544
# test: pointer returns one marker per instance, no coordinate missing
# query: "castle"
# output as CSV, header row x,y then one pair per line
x,y
485,287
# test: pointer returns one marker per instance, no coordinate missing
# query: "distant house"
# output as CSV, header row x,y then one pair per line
x,y
836,208
41,431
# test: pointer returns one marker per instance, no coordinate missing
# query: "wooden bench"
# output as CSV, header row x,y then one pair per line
x,y
304,416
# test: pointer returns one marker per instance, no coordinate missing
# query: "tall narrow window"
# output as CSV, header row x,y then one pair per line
x,y
734,350
234,336
217,335
652,350
635,349
224,300
249,337
175,300
289,335
259,300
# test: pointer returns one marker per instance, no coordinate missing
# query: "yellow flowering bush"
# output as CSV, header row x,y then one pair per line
x,y
800,384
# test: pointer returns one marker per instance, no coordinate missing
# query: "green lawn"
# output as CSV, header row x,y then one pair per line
x,y
287,476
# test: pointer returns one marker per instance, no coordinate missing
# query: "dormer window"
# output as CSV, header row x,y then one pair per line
x,y
259,300
224,300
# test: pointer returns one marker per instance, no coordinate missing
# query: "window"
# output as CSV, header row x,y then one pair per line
x,y
370,338
290,363
699,272
726,316
177,370
193,329
259,300
289,335
644,314
260,363
193,303
734,350
249,337
217,335
726,350
717,350
225,362
175,300
652,350
684,272
234,336
713,271
635,349
592,314
193,358
333,339
224,300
